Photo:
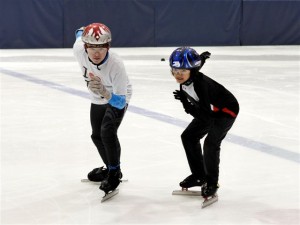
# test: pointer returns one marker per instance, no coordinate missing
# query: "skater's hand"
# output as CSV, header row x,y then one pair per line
x,y
178,95
96,86
205,55
78,32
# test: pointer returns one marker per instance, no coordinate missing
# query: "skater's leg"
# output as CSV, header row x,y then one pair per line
x,y
191,143
97,113
109,128
212,146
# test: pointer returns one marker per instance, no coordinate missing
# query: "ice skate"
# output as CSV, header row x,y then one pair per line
x,y
185,191
96,175
85,180
190,181
209,193
109,195
110,184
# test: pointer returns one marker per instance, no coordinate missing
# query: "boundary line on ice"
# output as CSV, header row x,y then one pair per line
x,y
245,142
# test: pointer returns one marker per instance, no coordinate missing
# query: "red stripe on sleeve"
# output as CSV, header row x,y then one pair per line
x,y
215,109
225,110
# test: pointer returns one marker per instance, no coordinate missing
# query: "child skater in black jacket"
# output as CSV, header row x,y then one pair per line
x,y
214,109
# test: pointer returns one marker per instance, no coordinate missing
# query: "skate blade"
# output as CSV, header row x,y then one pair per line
x,y
186,192
210,200
97,182
88,181
109,195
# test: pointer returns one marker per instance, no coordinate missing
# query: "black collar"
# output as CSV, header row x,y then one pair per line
x,y
188,81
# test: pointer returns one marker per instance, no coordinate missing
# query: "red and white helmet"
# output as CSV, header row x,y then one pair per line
x,y
96,34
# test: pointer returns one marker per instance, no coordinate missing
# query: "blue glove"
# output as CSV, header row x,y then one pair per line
x,y
78,32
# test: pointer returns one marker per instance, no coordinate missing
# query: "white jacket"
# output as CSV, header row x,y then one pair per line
x,y
112,73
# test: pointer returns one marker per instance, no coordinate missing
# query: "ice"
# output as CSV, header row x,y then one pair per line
x,y
46,147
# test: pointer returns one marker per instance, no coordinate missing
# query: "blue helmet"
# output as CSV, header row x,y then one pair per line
x,y
185,58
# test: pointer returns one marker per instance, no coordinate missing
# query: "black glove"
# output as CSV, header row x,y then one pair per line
x,y
205,55
178,95
188,107
191,109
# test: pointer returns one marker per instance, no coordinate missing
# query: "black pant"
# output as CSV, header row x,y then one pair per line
x,y
105,121
205,166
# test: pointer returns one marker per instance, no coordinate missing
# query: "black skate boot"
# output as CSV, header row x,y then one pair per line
x,y
191,181
208,190
112,181
98,174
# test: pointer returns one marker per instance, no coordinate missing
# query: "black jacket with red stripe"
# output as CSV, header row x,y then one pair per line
x,y
214,99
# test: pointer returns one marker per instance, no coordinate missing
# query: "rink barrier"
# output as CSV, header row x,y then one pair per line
x,y
151,23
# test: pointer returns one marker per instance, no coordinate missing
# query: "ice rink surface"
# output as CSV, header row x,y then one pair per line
x,y
46,147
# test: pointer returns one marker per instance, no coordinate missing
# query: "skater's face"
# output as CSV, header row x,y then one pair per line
x,y
181,75
96,53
